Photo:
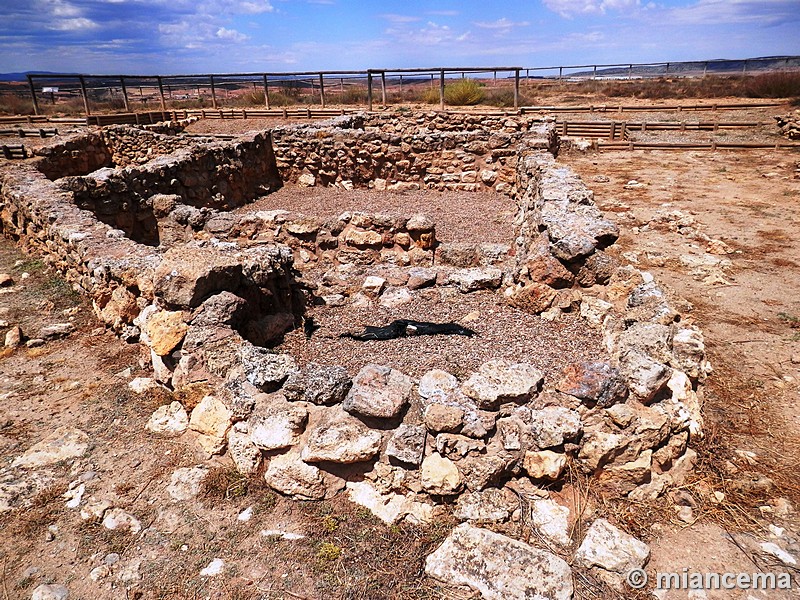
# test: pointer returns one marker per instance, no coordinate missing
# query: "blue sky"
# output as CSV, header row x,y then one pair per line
x,y
196,36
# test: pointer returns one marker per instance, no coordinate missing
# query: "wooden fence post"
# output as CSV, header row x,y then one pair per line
x,y
383,88
441,89
322,90
161,93
124,94
33,96
516,89
369,90
85,95
266,92
213,93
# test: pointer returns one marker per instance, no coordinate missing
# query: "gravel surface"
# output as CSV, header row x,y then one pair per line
x,y
503,333
459,216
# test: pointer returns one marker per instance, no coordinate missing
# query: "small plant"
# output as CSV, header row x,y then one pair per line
x,y
330,523
329,552
791,320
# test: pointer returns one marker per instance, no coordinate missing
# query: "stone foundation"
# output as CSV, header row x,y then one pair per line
x,y
207,291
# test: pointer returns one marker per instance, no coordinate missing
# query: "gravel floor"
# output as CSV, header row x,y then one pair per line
x,y
459,216
503,333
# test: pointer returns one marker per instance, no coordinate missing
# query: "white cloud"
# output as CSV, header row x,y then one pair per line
x,y
398,19
571,8
77,24
256,8
500,24
442,13
715,12
231,35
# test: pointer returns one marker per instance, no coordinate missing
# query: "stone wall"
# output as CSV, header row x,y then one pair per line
x,y
443,153
216,175
74,154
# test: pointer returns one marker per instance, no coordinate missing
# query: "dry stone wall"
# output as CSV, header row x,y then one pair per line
x,y
446,153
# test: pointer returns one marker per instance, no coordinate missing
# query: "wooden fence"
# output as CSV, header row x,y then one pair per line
x,y
19,132
13,151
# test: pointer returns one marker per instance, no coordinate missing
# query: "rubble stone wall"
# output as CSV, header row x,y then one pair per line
x,y
443,153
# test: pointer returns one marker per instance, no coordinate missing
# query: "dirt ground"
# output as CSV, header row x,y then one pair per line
x,y
722,229
746,295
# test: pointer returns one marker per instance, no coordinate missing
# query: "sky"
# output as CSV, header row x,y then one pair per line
x,y
202,36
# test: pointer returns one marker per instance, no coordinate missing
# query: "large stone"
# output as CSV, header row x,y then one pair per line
x,y
120,309
600,447
224,308
264,369
186,483
596,382
187,276
612,549
476,278
551,520
443,418
246,456
363,239
318,384
624,478
56,331
437,383
553,425
646,377
498,381
373,286
389,507
51,591
487,505
421,277
165,330
544,464
169,419
14,337
533,298
378,392
278,425
118,519
289,475
481,560
341,439
407,444
440,475
211,418
64,443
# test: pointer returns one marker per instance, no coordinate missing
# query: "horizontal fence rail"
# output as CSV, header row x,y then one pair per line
x,y
13,151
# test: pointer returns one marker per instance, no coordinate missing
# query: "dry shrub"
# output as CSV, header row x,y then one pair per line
x,y
463,92
12,104
504,98
781,84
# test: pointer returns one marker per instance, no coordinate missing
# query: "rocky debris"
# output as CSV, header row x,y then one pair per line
x,y
118,519
407,444
597,383
277,425
169,419
789,125
480,559
554,425
534,298
289,475
394,297
378,391
498,381
14,337
341,438
6,280
141,385
51,591
440,476
476,278
185,483
264,369
612,549
318,384
211,418
56,331
120,307
63,444
246,456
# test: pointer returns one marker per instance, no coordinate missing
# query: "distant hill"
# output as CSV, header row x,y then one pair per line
x,y
714,67
22,76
